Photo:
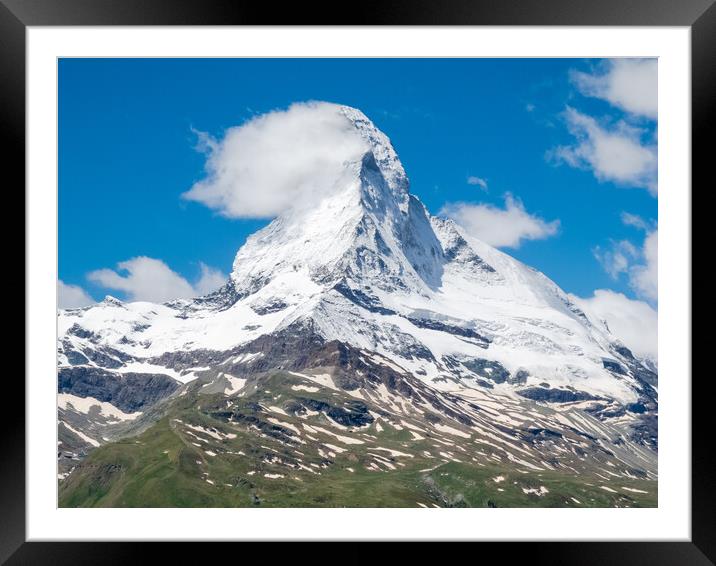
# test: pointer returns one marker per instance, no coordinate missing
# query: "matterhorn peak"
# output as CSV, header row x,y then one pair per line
x,y
367,228
382,150
366,265
352,315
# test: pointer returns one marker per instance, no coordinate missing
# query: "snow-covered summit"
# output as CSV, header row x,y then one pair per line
x,y
383,152
369,228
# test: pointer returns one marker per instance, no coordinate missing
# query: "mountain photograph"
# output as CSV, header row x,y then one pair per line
x,y
394,283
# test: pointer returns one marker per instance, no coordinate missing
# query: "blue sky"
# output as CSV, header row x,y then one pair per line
x,y
570,140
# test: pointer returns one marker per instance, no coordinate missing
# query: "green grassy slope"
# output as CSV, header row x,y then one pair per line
x,y
258,450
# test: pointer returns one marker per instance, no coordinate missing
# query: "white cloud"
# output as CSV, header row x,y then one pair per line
x,y
616,154
277,161
644,277
500,227
149,279
477,181
618,258
634,220
72,296
629,84
639,264
633,322
210,280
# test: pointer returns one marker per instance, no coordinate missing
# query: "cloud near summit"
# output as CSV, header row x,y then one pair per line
x,y
148,279
633,322
276,161
500,227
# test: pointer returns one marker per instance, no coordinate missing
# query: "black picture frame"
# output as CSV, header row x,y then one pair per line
x,y
699,15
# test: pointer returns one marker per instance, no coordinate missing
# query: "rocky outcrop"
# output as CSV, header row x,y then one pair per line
x,y
129,392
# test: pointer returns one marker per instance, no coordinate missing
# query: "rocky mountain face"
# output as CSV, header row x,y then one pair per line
x,y
363,334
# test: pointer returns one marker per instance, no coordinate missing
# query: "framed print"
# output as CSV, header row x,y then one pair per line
x,y
384,280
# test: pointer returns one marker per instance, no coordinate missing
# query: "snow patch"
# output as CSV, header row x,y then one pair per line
x,y
84,404
82,435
